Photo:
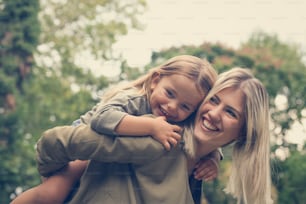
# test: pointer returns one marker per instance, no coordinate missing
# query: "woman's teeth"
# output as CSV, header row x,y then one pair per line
x,y
209,126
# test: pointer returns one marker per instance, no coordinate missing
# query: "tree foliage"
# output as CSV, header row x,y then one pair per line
x,y
290,178
18,39
73,27
281,68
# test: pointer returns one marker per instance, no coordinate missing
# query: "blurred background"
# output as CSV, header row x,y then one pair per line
x,y
57,56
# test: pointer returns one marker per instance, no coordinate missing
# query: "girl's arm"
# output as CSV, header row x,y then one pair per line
x,y
207,168
164,132
123,115
106,116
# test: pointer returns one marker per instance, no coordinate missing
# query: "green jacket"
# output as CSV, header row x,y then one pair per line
x,y
122,170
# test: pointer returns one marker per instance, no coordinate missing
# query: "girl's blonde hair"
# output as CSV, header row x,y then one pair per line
x,y
199,70
250,179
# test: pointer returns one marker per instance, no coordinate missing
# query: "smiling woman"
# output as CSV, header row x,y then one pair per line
x,y
236,111
222,115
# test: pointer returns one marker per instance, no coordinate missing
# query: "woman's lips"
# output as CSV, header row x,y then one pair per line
x,y
208,125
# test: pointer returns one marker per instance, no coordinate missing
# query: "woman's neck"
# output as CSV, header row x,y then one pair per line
x,y
203,149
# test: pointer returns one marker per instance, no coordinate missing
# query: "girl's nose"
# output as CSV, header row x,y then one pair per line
x,y
172,106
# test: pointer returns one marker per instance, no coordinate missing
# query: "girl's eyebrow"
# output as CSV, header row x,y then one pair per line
x,y
191,105
216,97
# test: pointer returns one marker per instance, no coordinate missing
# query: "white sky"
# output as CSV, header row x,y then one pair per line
x,y
177,22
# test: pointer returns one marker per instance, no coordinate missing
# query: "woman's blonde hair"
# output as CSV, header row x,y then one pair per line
x,y
199,70
250,179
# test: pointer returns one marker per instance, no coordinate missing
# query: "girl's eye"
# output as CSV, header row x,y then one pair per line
x,y
186,107
214,100
169,93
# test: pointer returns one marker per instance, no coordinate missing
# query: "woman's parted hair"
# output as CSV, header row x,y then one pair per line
x,y
250,180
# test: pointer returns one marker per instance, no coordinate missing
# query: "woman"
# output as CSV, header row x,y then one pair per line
x,y
140,170
250,180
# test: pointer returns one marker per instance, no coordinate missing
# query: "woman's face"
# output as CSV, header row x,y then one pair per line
x,y
220,119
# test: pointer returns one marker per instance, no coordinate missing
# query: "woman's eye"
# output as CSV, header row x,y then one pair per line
x,y
232,113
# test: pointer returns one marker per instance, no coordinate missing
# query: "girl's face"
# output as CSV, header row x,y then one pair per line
x,y
219,121
174,96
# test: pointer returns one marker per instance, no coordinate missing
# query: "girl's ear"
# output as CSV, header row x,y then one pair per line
x,y
155,80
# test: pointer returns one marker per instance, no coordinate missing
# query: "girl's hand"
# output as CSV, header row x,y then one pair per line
x,y
167,134
206,169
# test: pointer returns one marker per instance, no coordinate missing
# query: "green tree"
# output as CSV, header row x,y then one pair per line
x,y
290,178
18,39
280,66
55,91
72,28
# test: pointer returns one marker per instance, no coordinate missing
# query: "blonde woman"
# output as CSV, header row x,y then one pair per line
x,y
238,99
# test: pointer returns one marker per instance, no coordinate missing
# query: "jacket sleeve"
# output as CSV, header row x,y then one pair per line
x,y
109,114
62,144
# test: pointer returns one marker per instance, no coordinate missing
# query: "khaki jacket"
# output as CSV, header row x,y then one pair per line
x,y
122,170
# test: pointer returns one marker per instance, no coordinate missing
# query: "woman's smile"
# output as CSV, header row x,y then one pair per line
x,y
208,125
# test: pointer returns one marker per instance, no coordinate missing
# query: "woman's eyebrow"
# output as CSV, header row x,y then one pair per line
x,y
237,111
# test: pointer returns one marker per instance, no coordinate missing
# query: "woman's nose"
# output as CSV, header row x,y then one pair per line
x,y
215,113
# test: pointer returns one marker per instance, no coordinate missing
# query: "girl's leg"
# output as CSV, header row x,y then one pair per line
x,y
54,189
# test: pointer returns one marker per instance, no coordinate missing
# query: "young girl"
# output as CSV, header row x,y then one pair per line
x,y
171,91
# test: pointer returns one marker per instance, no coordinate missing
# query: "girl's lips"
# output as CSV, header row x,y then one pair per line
x,y
164,113
168,116
159,112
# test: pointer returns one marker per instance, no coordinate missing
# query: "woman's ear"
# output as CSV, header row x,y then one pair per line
x,y
155,80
